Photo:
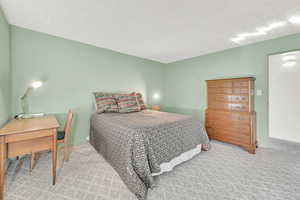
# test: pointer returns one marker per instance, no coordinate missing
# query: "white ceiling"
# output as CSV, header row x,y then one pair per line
x,y
161,30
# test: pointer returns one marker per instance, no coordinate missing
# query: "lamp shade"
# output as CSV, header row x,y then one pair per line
x,y
36,84
156,96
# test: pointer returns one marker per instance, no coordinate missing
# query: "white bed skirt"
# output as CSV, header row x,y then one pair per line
x,y
166,167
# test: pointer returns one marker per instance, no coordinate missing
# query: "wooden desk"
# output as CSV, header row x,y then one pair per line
x,y
26,136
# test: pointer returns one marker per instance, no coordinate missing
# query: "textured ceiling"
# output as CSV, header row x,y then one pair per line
x,y
161,30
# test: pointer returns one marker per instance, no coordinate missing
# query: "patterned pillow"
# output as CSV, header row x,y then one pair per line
x,y
141,101
105,102
127,103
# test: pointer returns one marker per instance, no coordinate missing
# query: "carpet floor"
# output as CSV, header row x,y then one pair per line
x,y
225,172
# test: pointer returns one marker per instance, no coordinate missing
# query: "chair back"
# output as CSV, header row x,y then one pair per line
x,y
68,123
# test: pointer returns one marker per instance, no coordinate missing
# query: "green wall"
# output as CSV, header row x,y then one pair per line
x,y
71,71
5,71
185,80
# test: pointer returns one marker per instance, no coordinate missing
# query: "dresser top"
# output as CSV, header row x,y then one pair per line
x,y
228,79
29,125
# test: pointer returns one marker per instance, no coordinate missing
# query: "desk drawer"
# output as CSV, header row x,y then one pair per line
x,y
29,135
28,146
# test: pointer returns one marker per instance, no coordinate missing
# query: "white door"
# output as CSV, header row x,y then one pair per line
x,y
284,96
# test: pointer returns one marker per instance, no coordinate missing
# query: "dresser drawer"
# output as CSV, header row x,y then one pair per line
x,y
230,139
238,106
236,130
229,106
220,90
227,98
239,98
240,117
241,90
241,84
219,105
225,83
235,125
215,97
239,135
234,117
243,129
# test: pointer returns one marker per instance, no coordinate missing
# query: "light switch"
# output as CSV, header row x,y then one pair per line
x,y
259,93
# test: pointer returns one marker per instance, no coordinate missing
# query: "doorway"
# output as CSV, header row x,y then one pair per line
x,y
284,96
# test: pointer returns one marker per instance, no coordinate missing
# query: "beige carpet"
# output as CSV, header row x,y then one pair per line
x,y
225,172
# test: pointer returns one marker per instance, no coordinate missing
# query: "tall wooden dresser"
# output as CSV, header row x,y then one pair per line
x,y
230,115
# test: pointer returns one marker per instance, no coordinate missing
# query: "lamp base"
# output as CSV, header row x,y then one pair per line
x,y
156,107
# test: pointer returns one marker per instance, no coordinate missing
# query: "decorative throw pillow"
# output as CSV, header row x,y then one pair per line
x,y
106,102
127,103
141,101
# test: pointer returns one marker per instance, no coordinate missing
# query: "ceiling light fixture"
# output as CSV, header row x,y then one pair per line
x,y
294,20
272,26
259,31
243,36
253,34
237,39
289,57
290,64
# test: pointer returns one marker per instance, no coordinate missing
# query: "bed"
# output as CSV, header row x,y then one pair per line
x,y
143,144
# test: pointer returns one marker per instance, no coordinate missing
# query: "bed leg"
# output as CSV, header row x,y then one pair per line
x,y
205,147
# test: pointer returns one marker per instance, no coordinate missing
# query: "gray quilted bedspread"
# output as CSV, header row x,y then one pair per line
x,y
135,144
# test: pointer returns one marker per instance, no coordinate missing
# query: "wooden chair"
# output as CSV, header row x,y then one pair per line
x,y
62,138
